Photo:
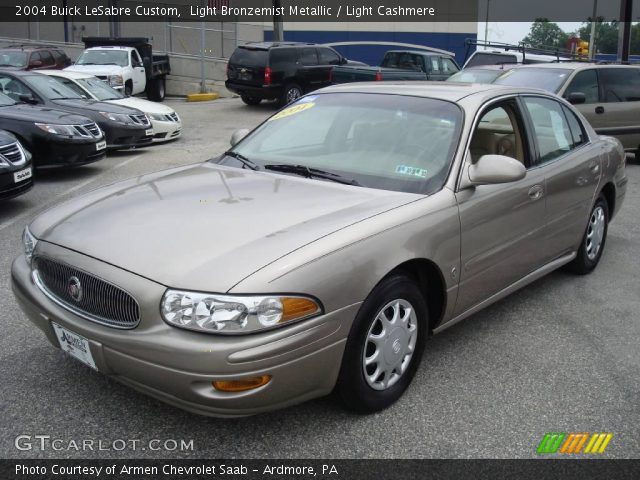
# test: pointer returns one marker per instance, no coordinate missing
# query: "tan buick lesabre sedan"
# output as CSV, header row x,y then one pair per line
x,y
324,247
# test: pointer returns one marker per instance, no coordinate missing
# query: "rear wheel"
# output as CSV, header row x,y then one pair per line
x,y
291,93
156,89
250,100
384,346
593,240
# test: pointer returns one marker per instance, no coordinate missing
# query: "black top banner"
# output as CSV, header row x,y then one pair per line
x,y
312,10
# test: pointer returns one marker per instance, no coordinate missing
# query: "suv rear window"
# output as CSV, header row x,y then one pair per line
x,y
250,57
491,59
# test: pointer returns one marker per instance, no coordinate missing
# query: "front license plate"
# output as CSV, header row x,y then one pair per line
x,y
22,175
101,145
75,345
149,132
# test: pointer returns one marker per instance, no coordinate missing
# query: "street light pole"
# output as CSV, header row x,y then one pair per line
x,y
486,23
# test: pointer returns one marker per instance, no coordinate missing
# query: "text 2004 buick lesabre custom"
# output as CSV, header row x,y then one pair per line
x,y
322,250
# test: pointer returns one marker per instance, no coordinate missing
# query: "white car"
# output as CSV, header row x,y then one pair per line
x,y
165,121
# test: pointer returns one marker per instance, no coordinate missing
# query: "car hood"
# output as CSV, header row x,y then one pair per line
x,y
94,105
207,227
32,113
143,105
96,69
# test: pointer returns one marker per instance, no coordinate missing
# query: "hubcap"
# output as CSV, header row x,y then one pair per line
x,y
390,344
595,232
293,94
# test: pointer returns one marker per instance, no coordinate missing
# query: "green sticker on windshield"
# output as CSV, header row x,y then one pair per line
x,y
412,171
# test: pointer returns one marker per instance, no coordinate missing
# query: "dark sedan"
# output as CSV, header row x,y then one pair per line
x,y
55,138
124,127
16,174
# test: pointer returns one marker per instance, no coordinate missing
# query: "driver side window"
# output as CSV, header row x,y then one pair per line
x,y
498,133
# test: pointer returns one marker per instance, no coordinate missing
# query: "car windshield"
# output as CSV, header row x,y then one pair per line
x,y
550,79
50,88
104,57
475,76
5,100
11,58
388,142
99,89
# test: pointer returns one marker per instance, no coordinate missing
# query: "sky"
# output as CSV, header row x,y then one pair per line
x,y
513,32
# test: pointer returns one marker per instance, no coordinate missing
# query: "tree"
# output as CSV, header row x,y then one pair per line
x,y
544,33
606,35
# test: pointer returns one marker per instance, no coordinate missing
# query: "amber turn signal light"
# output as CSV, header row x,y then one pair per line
x,y
240,385
297,307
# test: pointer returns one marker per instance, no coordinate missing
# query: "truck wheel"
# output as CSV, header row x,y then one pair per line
x,y
250,100
128,89
156,89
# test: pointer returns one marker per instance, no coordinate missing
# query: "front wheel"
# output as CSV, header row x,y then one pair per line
x,y
128,89
593,240
384,346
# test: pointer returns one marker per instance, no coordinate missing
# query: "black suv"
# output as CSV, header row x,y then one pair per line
x,y
281,71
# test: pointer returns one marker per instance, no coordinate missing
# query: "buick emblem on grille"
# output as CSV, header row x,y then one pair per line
x,y
74,288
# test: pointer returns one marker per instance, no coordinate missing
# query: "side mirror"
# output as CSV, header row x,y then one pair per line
x,y
343,61
576,98
35,64
238,135
28,99
494,169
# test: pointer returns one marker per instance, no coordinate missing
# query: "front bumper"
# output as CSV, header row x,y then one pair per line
x,y
8,186
165,131
178,366
123,136
59,152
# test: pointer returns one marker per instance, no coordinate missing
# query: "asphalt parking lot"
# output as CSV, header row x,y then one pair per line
x,y
561,355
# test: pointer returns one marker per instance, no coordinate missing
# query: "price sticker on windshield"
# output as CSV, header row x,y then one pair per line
x,y
287,112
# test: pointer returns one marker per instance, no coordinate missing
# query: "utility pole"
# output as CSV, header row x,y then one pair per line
x,y
592,37
486,23
278,30
624,30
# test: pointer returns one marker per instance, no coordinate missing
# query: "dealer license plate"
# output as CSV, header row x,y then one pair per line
x,y
101,145
149,132
75,345
22,175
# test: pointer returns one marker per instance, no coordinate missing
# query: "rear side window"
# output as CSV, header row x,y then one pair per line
x,y
550,128
621,84
249,57
577,132
328,57
57,55
491,59
280,58
47,58
308,56
585,82
448,66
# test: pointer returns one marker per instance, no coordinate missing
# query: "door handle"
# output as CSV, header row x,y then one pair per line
x,y
536,192
599,109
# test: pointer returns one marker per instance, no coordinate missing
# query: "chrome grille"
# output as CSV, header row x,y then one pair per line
x,y
88,130
173,117
140,119
13,153
99,301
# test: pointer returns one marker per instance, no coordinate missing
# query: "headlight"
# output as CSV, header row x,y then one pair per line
x,y
118,117
159,117
116,80
64,130
29,242
229,314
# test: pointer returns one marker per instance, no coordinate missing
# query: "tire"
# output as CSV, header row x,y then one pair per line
x,y
593,240
291,93
250,100
156,89
128,88
398,354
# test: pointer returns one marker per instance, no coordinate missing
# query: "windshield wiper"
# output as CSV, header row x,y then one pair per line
x,y
309,172
242,159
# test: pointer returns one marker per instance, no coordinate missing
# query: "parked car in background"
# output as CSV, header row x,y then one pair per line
x,y
16,173
123,127
607,95
55,138
127,64
484,74
165,121
322,249
281,71
33,57
401,65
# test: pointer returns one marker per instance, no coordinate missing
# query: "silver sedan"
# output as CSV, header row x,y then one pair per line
x,y
324,248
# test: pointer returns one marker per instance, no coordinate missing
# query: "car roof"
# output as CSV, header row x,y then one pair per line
x,y
268,45
110,47
18,73
452,92
576,65
419,52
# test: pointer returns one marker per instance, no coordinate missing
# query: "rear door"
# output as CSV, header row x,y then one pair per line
x,y
310,73
246,66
